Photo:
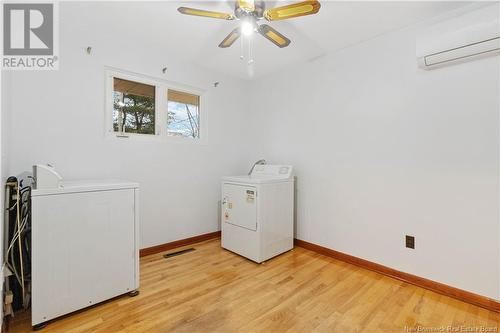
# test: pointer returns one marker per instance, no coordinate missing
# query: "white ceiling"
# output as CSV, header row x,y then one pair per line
x,y
336,26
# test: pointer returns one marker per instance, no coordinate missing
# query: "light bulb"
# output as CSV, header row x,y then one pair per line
x,y
247,28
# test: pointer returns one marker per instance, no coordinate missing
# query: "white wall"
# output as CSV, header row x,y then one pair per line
x,y
58,117
383,149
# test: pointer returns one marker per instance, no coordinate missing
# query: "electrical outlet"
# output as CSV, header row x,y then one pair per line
x,y
410,242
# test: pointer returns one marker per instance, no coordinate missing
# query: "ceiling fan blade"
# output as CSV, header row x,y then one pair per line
x,y
231,38
294,10
274,36
248,5
205,13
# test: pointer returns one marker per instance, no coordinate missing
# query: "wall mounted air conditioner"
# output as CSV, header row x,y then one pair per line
x,y
470,36
461,53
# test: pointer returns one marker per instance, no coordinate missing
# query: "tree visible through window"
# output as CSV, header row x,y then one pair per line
x,y
183,114
133,107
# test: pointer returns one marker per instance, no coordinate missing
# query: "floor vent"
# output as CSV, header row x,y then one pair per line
x,y
173,254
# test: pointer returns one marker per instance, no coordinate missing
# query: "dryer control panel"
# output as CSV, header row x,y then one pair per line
x,y
273,170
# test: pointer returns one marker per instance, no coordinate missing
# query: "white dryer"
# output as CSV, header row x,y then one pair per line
x,y
257,212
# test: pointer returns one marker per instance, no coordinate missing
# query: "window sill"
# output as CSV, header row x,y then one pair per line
x,y
155,138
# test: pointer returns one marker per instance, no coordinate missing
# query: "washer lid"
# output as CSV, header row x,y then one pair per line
x,y
78,186
263,174
253,180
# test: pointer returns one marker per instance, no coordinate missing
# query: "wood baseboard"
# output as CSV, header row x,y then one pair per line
x,y
178,243
437,287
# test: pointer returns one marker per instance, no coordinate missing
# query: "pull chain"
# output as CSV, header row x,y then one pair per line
x,y
250,51
242,50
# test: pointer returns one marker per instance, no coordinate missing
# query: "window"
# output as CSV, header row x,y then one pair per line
x,y
183,114
133,107
140,106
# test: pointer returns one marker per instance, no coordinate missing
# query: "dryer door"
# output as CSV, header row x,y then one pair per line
x,y
240,206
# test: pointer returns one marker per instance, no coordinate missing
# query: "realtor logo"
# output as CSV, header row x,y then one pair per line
x,y
29,32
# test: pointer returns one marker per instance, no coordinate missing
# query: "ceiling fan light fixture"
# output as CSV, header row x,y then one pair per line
x,y
247,28
250,12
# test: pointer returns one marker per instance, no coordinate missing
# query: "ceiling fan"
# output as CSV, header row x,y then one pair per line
x,y
250,12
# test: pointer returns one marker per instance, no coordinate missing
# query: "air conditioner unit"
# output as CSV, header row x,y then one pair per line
x,y
462,53
469,36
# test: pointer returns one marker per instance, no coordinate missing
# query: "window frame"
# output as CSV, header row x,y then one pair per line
x,y
161,107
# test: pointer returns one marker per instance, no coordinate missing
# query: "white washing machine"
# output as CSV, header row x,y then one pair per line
x,y
85,243
257,212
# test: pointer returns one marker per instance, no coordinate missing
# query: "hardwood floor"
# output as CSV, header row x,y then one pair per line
x,y
213,290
